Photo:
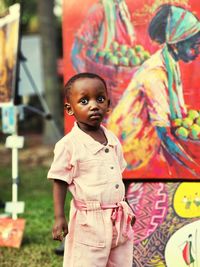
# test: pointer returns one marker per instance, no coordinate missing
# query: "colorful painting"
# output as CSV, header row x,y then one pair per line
x,y
11,232
150,73
167,229
9,37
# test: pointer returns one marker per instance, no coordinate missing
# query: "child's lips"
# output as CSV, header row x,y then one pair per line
x,y
95,116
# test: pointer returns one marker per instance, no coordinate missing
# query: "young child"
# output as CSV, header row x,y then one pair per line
x,y
89,163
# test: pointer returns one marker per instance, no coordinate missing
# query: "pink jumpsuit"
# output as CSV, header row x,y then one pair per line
x,y
100,235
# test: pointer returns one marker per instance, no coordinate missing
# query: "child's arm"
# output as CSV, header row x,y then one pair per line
x,y
60,228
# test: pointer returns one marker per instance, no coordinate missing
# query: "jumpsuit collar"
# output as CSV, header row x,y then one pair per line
x,y
92,144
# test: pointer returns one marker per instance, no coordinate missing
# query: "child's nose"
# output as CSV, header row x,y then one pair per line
x,y
93,105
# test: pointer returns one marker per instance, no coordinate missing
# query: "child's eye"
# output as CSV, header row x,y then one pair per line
x,y
84,101
101,99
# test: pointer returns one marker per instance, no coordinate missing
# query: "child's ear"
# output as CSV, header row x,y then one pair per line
x,y
69,109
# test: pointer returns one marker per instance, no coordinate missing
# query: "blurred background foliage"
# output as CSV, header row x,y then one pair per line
x,y
29,19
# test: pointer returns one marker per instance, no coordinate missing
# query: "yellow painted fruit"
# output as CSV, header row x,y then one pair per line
x,y
135,61
182,132
187,122
193,114
195,132
139,48
146,54
177,122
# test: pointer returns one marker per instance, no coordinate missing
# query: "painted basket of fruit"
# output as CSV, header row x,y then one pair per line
x,y
187,130
116,65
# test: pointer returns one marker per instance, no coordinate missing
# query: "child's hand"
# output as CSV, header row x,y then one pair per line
x,y
60,229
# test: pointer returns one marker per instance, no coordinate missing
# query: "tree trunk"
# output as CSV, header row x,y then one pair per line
x,y
47,25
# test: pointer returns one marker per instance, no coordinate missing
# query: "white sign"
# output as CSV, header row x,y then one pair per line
x,y
15,207
15,141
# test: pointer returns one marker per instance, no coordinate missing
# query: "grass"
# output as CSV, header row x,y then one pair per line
x,y
37,247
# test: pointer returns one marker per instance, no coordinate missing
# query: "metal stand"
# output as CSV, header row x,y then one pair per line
x,y
15,142
46,112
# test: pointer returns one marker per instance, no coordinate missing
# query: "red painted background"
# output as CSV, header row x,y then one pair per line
x,y
74,13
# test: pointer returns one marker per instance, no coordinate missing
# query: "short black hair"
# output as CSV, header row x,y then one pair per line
x,y
78,76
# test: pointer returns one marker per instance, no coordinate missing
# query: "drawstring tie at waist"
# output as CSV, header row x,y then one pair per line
x,y
122,215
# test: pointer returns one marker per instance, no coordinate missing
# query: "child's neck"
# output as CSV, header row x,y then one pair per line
x,y
96,133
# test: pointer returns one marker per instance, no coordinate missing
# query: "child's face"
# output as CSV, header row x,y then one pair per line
x,y
88,101
189,50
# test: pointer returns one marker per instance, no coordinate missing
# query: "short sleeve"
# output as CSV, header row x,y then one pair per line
x,y
61,167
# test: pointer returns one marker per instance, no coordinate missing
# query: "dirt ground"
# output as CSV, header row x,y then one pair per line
x,y
33,153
